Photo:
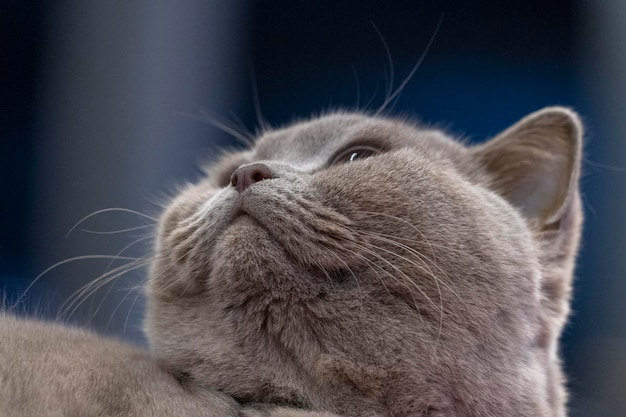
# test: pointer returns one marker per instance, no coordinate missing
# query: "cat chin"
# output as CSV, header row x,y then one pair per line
x,y
248,262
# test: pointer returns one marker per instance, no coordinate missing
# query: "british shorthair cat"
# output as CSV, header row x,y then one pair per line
x,y
346,265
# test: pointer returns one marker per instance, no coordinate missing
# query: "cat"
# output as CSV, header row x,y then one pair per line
x,y
350,265
48,370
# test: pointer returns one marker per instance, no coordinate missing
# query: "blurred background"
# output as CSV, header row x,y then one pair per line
x,y
97,122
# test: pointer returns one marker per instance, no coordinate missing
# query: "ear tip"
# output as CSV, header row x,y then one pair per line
x,y
536,162
563,116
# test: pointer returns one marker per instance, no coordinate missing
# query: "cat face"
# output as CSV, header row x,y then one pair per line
x,y
368,266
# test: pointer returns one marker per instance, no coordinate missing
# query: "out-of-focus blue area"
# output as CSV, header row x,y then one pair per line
x,y
95,98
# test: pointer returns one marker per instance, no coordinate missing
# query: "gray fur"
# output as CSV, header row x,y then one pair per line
x,y
51,371
431,279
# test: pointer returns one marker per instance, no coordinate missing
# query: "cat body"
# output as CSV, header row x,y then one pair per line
x,y
49,370
367,266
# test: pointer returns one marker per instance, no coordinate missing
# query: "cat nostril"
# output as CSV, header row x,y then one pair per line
x,y
246,175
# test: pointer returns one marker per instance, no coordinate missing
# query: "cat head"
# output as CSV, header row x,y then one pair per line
x,y
364,264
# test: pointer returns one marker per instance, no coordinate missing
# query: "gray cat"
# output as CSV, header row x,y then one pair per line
x,y
350,265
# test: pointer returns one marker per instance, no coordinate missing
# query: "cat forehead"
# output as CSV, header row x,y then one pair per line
x,y
319,139
308,140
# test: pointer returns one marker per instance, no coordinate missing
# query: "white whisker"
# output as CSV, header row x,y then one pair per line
x,y
77,297
114,232
406,80
107,210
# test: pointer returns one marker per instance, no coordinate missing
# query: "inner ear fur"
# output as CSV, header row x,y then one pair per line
x,y
535,164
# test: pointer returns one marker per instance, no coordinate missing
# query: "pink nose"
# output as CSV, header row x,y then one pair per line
x,y
246,175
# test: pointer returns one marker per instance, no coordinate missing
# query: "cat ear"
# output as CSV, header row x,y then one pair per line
x,y
535,164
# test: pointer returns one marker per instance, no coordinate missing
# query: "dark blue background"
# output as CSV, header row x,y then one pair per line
x,y
490,64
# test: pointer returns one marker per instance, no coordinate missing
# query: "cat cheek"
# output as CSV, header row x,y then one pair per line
x,y
365,186
183,207
188,233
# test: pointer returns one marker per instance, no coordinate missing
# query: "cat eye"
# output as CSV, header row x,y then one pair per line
x,y
355,153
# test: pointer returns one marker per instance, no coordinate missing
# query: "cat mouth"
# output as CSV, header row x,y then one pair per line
x,y
243,218
309,231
